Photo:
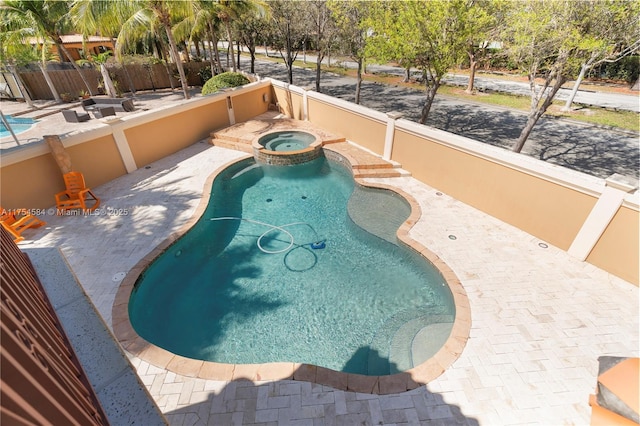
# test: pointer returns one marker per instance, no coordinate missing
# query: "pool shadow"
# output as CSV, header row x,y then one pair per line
x,y
241,402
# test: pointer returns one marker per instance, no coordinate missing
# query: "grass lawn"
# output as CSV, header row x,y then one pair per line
x,y
626,120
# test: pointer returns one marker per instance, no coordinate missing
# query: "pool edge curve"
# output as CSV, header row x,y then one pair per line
x,y
389,384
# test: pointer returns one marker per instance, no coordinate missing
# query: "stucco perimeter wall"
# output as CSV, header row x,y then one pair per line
x,y
33,181
617,249
289,99
29,177
534,203
249,104
172,131
361,125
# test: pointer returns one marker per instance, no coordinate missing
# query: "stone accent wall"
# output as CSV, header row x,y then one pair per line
x,y
286,158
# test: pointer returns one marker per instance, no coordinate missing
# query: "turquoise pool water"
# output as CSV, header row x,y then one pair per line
x,y
329,286
18,125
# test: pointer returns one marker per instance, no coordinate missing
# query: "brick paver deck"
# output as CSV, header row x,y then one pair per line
x,y
540,318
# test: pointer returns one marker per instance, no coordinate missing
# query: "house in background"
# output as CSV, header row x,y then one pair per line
x,y
73,43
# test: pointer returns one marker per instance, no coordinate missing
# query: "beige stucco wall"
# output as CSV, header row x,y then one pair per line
x,y
355,127
31,183
617,249
34,182
168,134
247,105
290,103
542,208
99,161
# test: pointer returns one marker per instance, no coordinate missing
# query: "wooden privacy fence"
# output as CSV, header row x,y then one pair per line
x,y
41,379
126,78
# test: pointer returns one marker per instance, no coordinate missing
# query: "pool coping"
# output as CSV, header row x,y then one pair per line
x,y
389,384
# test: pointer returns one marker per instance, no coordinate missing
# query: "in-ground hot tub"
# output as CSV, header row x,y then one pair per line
x,y
287,147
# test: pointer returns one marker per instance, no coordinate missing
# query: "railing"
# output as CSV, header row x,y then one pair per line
x,y
42,381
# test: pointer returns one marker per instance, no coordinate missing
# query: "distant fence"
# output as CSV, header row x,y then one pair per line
x,y
125,77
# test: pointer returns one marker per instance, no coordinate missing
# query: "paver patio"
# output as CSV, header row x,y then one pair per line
x,y
540,318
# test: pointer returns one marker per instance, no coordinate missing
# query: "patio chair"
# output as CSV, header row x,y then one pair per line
x,y
76,195
72,116
15,222
104,112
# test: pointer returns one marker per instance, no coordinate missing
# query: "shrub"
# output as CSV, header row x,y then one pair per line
x,y
223,81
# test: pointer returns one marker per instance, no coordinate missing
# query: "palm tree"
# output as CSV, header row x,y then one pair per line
x,y
135,18
228,11
16,47
48,18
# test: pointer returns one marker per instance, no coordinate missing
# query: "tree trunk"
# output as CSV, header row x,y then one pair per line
x,y
431,95
253,60
47,78
132,87
532,119
358,81
216,52
238,54
536,113
290,68
318,71
60,155
567,105
407,74
230,43
472,75
108,84
23,90
178,62
73,63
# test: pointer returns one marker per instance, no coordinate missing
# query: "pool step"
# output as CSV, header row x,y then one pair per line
x,y
407,339
230,143
380,213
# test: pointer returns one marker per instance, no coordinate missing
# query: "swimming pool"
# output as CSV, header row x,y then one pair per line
x,y
237,290
18,125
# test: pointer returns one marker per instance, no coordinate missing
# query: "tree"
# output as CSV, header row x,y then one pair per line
x,y
431,36
610,31
481,30
289,31
323,32
251,30
48,18
141,16
541,38
352,30
228,11
15,40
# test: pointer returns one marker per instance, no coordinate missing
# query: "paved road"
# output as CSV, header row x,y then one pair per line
x,y
587,148
583,96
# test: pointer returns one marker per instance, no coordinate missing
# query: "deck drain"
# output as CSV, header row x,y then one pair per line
x,y
543,245
453,237
438,193
118,277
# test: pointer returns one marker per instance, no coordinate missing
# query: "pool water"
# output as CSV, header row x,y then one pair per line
x,y
287,141
318,289
18,125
